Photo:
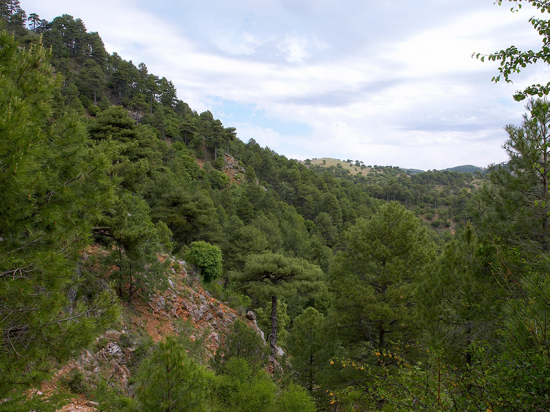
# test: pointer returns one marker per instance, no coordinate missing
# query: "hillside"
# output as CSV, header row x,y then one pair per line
x,y
150,260
101,374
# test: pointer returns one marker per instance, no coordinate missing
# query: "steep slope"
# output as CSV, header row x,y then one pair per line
x,y
185,309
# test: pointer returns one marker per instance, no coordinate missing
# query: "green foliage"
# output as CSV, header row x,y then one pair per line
x,y
243,389
217,179
207,258
137,241
310,345
75,381
377,273
19,401
294,399
169,380
242,342
275,276
55,184
513,60
241,241
460,301
518,193
137,187
263,319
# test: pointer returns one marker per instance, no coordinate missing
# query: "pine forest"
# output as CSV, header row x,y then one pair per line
x,y
150,260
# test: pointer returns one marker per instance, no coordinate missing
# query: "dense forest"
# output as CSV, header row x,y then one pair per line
x,y
381,290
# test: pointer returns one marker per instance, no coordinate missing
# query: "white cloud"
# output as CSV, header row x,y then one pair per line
x,y
295,48
401,89
265,136
236,43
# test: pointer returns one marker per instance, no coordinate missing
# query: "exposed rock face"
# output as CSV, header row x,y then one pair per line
x,y
114,350
211,318
233,170
184,300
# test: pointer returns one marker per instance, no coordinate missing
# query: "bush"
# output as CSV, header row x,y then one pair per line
x,y
207,258
75,382
219,163
217,179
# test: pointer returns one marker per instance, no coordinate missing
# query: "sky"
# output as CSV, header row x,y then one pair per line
x,y
387,82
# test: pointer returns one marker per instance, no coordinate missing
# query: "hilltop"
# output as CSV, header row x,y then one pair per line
x,y
358,167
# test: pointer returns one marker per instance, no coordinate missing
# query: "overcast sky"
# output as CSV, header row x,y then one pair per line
x,y
388,82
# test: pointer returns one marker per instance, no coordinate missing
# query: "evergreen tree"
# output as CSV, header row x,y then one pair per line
x,y
14,16
310,347
461,301
54,186
171,381
245,389
242,342
241,241
377,272
275,276
518,192
128,227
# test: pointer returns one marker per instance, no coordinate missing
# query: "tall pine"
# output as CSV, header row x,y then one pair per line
x,y
53,185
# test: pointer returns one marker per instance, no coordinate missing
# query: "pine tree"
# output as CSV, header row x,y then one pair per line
x,y
127,226
54,185
519,191
310,347
274,276
376,277
460,302
171,381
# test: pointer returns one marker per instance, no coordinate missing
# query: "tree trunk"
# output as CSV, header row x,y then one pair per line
x,y
273,336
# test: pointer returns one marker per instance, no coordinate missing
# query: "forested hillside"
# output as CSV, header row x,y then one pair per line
x,y
375,290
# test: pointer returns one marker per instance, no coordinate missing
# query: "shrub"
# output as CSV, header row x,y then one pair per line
x,y
207,258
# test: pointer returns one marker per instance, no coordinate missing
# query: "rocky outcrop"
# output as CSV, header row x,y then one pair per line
x,y
184,300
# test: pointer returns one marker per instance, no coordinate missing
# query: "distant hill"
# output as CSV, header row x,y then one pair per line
x,y
459,169
466,169
354,167
413,171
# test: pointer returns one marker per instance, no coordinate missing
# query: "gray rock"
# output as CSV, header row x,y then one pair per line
x,y
114,350
250,315
160,303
